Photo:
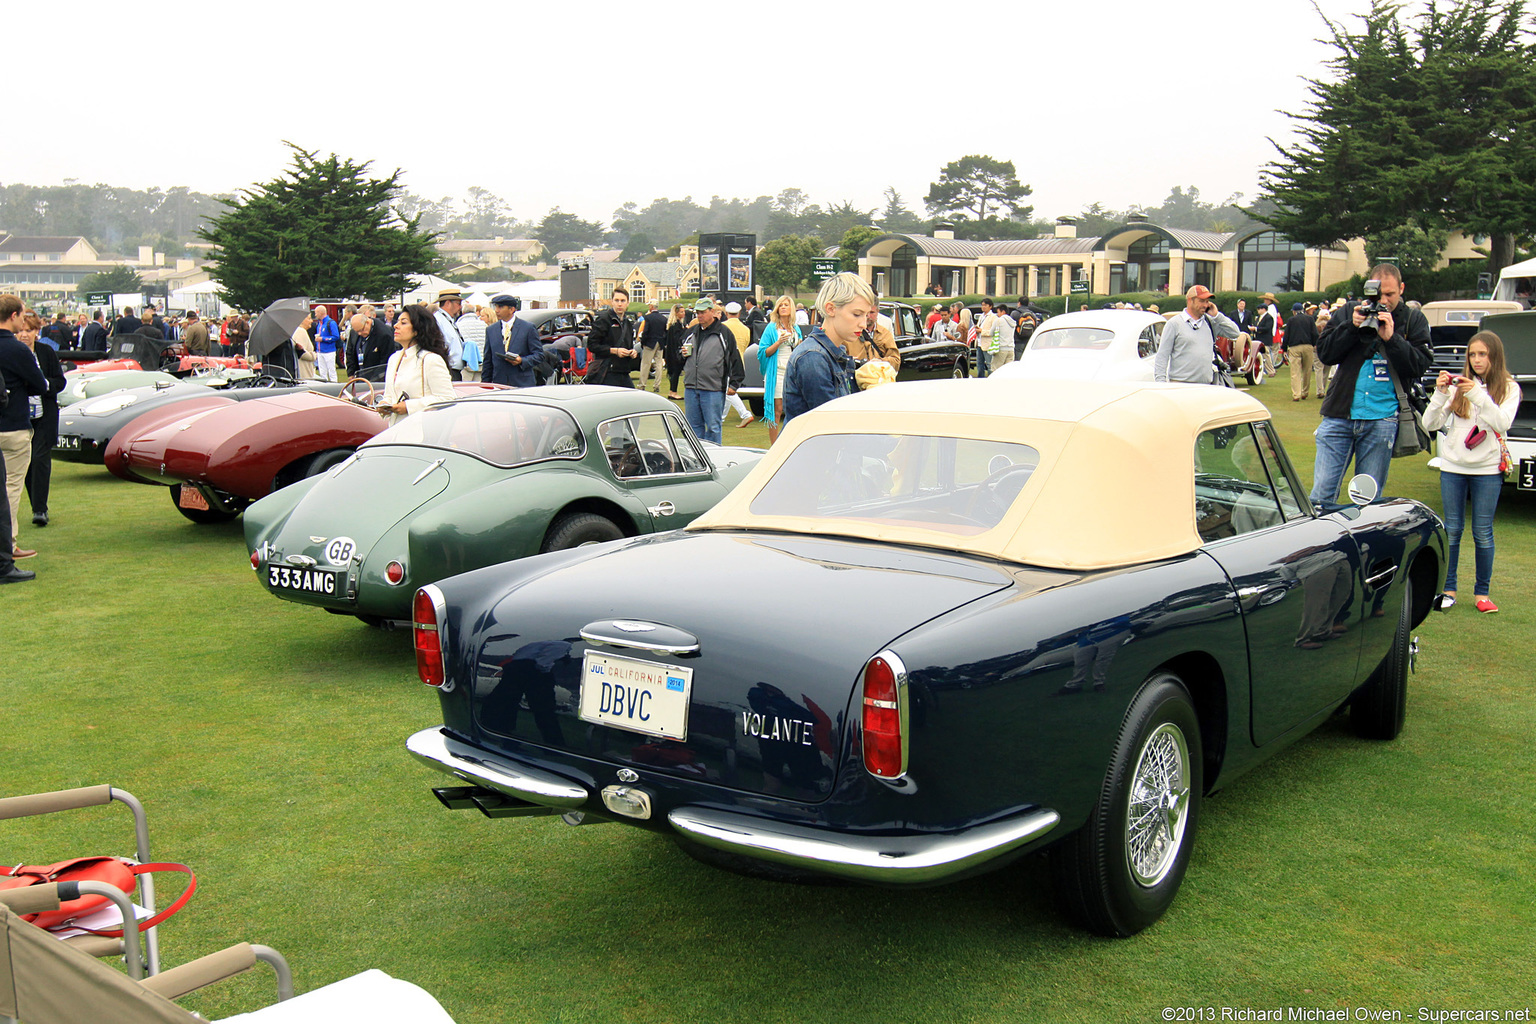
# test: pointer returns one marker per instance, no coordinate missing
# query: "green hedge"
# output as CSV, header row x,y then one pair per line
x,y
1227,301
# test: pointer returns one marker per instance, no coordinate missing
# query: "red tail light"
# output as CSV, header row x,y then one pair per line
x,y
256,560
885,716
425,619
394,572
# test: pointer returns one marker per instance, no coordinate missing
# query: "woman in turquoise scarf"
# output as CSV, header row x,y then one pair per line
x,y
773,348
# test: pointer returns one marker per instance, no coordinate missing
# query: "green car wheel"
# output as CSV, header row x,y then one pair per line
x,y
579,529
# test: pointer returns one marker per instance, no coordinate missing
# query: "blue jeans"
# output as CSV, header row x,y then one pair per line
x,y
1482,491
705,411
1369,441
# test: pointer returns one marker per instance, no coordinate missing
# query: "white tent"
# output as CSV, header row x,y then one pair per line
x,y
535,294
425,288
1509,277
203,297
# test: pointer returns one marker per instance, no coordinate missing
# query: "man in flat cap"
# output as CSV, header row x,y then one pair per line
x,y
512,347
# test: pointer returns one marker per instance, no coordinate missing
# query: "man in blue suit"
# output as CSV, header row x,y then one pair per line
x,y
512,346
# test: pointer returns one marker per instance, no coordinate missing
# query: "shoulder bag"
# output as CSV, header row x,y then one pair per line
x,y
113,871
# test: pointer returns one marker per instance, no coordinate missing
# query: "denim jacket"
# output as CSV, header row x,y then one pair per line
x,y
819,371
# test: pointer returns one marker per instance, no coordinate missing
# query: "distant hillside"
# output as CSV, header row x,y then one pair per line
x,y
113,219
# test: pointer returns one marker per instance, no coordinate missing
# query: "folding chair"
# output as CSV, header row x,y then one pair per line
x,y
45,981
99,796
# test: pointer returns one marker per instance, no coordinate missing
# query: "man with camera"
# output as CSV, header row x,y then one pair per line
x,y
1373,343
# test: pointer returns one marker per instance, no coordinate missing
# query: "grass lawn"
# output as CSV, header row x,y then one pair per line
x,y
266,740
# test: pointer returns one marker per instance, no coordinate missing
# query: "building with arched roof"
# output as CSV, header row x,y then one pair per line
x,y
1137,256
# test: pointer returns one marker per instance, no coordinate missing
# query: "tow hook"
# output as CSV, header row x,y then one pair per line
x,y
1413,654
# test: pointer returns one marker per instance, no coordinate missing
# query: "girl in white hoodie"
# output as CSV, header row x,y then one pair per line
x,y
1474,409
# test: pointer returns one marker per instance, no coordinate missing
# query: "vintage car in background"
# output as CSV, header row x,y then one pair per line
x,y
141,352
922,358
1095,344
1452,323
82,384
985,619
485,480
220,455
86,428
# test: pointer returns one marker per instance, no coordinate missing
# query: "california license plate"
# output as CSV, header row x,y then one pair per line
x,y
642,696
304,580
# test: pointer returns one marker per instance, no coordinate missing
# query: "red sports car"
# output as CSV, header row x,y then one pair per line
x,y
219,455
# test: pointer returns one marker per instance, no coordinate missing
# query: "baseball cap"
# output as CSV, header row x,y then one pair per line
x,y
700,305
733,307
1296,306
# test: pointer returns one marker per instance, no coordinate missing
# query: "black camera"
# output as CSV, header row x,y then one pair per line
x,y
1370,304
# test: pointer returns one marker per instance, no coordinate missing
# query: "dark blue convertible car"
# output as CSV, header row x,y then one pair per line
x,y
987,618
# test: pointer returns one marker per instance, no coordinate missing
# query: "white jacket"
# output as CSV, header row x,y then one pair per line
x,y
1495,418
420,377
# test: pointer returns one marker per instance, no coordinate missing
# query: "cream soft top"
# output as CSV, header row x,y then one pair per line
x,y
1115,485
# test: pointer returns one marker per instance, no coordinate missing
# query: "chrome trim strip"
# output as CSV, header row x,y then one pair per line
x,y
435,749
901,859
424,473
594,637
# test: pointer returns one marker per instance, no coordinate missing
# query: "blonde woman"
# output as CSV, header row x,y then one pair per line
x,y
677,330
820,368
773,349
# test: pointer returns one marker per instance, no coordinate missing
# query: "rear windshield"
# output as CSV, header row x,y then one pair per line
x,y
1072,337
501,433
949,484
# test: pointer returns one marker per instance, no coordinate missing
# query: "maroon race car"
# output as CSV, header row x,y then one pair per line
x,y
218,455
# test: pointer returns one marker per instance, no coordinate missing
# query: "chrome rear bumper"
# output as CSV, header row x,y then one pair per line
x,y
432,747
906,859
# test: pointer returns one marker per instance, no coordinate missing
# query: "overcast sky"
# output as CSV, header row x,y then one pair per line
x,y
1114,101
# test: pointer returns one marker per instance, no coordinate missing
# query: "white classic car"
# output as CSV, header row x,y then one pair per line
x,y
1096,344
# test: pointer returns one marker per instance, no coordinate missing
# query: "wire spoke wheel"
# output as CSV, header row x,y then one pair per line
x,y
1159,805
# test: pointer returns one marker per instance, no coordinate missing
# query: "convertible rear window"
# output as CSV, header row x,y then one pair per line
x,y
501,433
1072,337
949,484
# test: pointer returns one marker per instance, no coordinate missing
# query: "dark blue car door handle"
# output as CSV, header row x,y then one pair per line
x,y
1381,575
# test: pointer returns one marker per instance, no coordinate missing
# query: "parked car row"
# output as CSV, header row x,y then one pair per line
x,y
972,638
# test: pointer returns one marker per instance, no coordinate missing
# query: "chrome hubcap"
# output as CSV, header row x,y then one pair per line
x,y
1159,805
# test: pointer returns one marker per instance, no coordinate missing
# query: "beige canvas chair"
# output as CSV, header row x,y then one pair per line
x,y
46,981
98,796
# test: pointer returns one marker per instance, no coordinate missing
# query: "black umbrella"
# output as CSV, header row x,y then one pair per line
x,y
275,327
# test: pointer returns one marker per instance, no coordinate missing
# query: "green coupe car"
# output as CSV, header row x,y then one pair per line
x,y
485,480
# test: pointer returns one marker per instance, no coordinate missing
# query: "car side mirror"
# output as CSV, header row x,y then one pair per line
x,y
1363,489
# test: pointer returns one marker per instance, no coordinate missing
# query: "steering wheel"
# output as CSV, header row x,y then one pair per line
x,y
265,380
658,458
348,392
987,501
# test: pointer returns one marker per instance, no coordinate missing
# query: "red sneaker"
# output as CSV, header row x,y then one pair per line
x,y
1484,605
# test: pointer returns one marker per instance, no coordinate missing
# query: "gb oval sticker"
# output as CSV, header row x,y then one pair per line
x,y
340,550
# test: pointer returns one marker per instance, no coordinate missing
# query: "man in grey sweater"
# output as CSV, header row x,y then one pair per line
x,y
1187,352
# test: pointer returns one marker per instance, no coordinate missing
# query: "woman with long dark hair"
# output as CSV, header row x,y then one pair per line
x,y
417,375
1474,409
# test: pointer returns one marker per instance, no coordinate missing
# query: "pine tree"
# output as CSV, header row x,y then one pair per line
x,y
323,230
1429,125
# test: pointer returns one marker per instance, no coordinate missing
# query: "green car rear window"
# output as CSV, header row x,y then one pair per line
x,y
501,433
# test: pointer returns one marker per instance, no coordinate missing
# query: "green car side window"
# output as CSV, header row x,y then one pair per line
x,y
503,433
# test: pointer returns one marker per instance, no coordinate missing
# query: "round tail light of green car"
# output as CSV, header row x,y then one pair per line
x,y
256,560
394,573
885,716
426,634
